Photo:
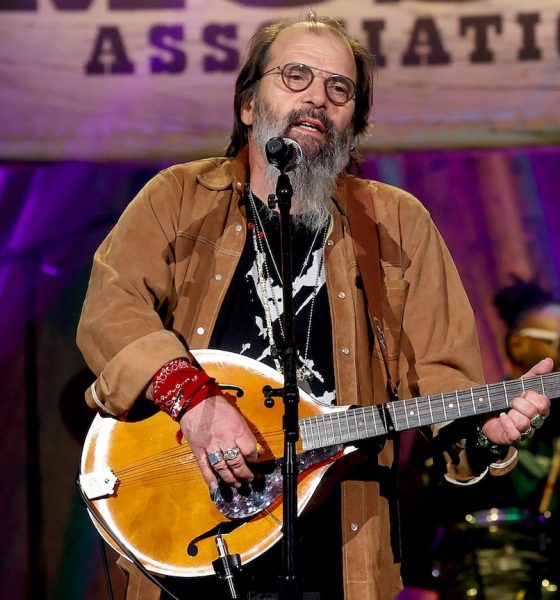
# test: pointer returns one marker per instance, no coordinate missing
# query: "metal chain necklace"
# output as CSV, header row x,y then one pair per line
x,y
258,222
260,244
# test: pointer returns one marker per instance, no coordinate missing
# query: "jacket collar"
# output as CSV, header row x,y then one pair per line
x,y
234,172
229,172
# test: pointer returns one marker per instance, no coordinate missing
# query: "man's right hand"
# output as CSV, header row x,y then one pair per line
x,y
215,425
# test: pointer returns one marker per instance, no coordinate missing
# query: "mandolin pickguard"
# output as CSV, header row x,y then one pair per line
x,y
267,488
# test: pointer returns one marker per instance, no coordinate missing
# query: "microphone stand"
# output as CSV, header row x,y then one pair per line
x,y
289,584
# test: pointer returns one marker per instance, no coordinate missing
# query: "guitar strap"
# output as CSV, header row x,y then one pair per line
x,y
361,217
365,236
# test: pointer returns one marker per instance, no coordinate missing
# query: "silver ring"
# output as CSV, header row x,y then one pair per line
x,y
231,453
527,433
537,421
215,457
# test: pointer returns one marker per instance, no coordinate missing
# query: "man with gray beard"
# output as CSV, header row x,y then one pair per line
x,y
194,263
314,181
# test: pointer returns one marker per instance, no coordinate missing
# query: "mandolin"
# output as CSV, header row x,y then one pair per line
x,y
142,480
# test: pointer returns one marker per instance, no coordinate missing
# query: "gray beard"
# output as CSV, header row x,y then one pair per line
x,y
314,179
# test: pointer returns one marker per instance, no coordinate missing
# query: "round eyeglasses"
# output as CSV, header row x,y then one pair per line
x,y
298,77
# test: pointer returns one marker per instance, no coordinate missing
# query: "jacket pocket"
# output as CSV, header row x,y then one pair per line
x,y
396,291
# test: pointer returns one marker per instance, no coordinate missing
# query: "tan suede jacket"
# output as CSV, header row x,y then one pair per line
x,y
159,279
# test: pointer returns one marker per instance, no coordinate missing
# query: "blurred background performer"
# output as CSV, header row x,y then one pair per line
x,y
532,317
499,541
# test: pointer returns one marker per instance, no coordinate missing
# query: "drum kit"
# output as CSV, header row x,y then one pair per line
x,y
499,554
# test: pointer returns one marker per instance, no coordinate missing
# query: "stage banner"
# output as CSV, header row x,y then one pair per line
x,y
153,79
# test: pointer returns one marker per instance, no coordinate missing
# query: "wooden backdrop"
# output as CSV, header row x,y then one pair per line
x,y
121,79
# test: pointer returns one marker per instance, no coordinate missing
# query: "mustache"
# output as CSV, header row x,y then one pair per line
x,y
311,113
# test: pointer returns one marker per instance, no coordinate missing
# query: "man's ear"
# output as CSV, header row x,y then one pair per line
x,y
247,112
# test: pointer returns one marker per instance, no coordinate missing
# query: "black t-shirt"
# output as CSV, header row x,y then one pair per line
x,y
241,324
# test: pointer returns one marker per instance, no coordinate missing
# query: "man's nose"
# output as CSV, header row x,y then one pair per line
x,y
316,93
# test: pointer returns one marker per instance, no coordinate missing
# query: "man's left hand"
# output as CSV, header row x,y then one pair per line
x,y
507,428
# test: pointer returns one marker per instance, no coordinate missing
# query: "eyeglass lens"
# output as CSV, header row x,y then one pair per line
x,y
298,77
545,335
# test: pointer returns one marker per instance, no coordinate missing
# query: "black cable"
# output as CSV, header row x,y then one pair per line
x,y
106,569
125,550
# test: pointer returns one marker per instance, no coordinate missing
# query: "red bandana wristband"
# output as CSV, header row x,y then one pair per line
x,y
179,386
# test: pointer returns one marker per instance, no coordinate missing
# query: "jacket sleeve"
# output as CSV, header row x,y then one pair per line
x,y
438,339
121,330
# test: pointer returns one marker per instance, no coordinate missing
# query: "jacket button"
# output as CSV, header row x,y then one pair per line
x,y
218,277
330,243
345,351
238,227
354,526
341,295
200,330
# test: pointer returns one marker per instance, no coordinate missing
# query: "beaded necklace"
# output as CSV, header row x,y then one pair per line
x,y
260,245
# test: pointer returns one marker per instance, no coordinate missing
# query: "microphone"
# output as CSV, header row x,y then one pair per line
x,y
283,153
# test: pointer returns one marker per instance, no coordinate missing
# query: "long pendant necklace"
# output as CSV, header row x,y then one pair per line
x,y
260,245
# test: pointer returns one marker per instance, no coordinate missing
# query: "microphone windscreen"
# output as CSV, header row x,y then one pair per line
x,y
283,153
